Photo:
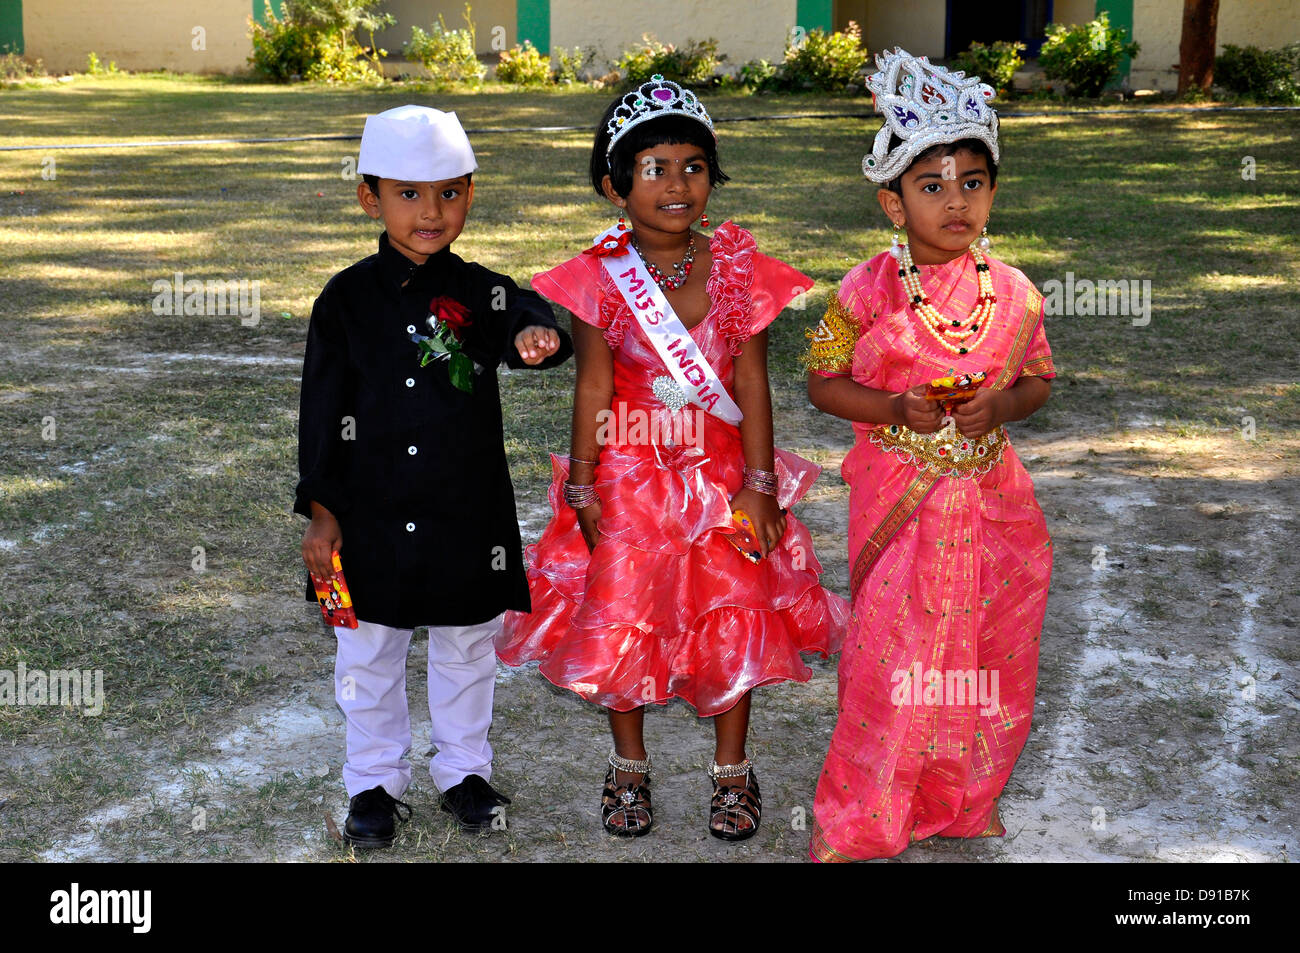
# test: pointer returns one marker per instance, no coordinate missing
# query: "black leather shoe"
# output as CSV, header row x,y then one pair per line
x,y
475,804
372,818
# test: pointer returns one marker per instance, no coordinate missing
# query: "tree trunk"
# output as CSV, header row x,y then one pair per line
x,y
1196,50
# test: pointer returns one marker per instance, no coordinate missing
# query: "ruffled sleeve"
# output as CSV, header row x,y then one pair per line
x,y
582,286
748,289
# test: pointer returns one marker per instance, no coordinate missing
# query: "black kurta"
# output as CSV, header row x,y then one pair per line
x,y
414,469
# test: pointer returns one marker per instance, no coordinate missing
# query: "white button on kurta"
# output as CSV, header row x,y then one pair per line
x,y
410,329
411,450
410,527
410,382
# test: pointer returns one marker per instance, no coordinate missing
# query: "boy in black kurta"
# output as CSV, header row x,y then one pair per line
x,y
403,470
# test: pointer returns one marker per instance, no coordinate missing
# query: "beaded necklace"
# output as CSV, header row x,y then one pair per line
x,y
681,269
941,328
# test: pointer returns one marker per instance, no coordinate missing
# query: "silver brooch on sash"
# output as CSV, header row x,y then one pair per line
x,y
669,392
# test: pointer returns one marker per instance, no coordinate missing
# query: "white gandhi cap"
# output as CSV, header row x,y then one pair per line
x,y
415,144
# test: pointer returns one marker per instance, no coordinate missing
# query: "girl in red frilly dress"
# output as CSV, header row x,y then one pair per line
x,y
638,593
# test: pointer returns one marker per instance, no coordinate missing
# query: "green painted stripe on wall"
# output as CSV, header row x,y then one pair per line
x,y
259,9
533,23
815,15
1121,16
11,27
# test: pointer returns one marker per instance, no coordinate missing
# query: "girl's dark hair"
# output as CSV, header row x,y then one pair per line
x,y
977,146
669,130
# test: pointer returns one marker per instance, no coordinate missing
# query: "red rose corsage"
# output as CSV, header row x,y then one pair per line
x,y
447,320
451,313
610,245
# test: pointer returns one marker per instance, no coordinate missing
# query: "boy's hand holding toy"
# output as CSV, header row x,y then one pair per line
x,y
322,539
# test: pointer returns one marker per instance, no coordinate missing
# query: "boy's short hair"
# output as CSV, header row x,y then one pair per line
x,y
373,180
977,146
669,130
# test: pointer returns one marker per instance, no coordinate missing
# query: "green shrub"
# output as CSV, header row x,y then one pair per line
x,y
523,66
756,75
14,67
1268,75
824,61
282,49
995,65
691,65
339,63
1085,57
339,21
448,55
316,40
569,63
95,67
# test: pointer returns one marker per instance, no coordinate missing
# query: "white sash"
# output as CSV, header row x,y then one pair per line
x,y
676,348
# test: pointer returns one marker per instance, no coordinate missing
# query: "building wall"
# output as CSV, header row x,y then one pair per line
x,y
1070,12
917,27
494,22
139,34
147,34
744,31
1158,26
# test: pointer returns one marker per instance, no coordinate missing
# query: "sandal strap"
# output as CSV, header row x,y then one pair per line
x,y
630,801
730,770
747,803
628,765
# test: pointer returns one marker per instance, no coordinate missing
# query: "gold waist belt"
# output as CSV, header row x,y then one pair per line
x,y
943,453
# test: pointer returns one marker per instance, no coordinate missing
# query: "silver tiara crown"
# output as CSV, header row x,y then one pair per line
x,y
659,97
924,105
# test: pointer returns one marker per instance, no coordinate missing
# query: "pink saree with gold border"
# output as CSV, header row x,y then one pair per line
x,y
950,572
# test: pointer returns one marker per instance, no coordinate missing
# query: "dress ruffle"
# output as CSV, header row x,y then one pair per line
x,y
665,607
729,286
674,615
614,312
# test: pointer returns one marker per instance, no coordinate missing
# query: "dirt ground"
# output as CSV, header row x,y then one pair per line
x,y
1165,726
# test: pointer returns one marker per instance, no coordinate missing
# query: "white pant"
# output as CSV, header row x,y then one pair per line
x,y
370,687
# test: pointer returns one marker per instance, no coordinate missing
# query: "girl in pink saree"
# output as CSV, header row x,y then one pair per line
x,y
950,554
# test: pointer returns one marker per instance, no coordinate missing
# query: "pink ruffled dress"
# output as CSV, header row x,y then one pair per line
x,y
665,607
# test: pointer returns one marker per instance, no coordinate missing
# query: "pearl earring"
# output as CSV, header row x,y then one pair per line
x,y
896,249
983,241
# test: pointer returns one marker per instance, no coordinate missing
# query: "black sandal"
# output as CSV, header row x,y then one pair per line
x,y
733,804
629,802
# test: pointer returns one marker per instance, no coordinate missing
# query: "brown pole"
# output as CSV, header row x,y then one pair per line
x,y
1196,49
